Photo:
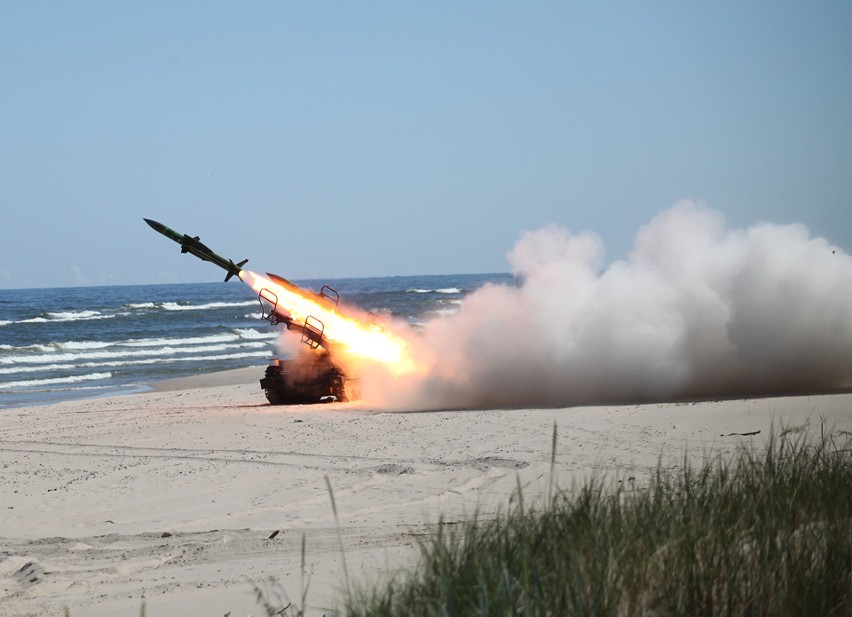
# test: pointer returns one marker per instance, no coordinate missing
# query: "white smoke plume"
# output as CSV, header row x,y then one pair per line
x,y
696,311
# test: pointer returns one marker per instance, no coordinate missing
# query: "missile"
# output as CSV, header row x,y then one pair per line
x,y
188,244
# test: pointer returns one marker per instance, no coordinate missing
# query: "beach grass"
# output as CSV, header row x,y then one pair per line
x,y
764,531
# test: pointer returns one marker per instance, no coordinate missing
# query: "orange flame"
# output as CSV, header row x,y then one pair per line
x,y
351,335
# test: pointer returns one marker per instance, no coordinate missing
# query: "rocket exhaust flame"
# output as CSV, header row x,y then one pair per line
x,y
350,334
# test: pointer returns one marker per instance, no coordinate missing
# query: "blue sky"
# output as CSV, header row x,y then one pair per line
x,y
382,138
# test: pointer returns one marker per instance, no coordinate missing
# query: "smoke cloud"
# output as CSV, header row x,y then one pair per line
x,y
696,311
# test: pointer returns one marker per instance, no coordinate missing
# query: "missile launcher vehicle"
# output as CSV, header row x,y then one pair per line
x,y
312,376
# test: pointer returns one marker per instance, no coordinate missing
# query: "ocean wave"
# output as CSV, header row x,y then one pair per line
x,y
170,360
57,380
72,315
101,355
64,388
240,334
443,290
251,334
34,347
445,312
84,345
3,322
180,306
174,306
223,337
17,370
62,317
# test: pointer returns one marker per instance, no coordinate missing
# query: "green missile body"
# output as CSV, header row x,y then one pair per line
x,y
193,245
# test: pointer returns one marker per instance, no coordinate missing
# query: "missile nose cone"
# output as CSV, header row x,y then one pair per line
x,y
154,224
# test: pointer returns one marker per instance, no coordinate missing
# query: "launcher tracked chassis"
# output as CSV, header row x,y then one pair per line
x,y
312,376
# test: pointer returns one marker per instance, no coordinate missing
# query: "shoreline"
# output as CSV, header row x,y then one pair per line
x,y
231,377
185,496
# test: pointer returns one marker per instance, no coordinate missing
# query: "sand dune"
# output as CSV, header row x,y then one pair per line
x,y
170,497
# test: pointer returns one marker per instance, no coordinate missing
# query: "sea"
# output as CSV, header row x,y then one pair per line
x,y
67,343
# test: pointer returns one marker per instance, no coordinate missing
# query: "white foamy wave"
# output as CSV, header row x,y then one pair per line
x,y
252,334
174,306
14,370
173,359
230,356
57,380
140,305
83,345
225,337
445,312
444,290
70,315
72,388
3,322
102,355
246,334
34,347
67,316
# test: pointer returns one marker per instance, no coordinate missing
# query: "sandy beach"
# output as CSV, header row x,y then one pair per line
x,y
191,497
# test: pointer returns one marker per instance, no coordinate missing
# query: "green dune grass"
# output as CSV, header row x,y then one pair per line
x,y
765,532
